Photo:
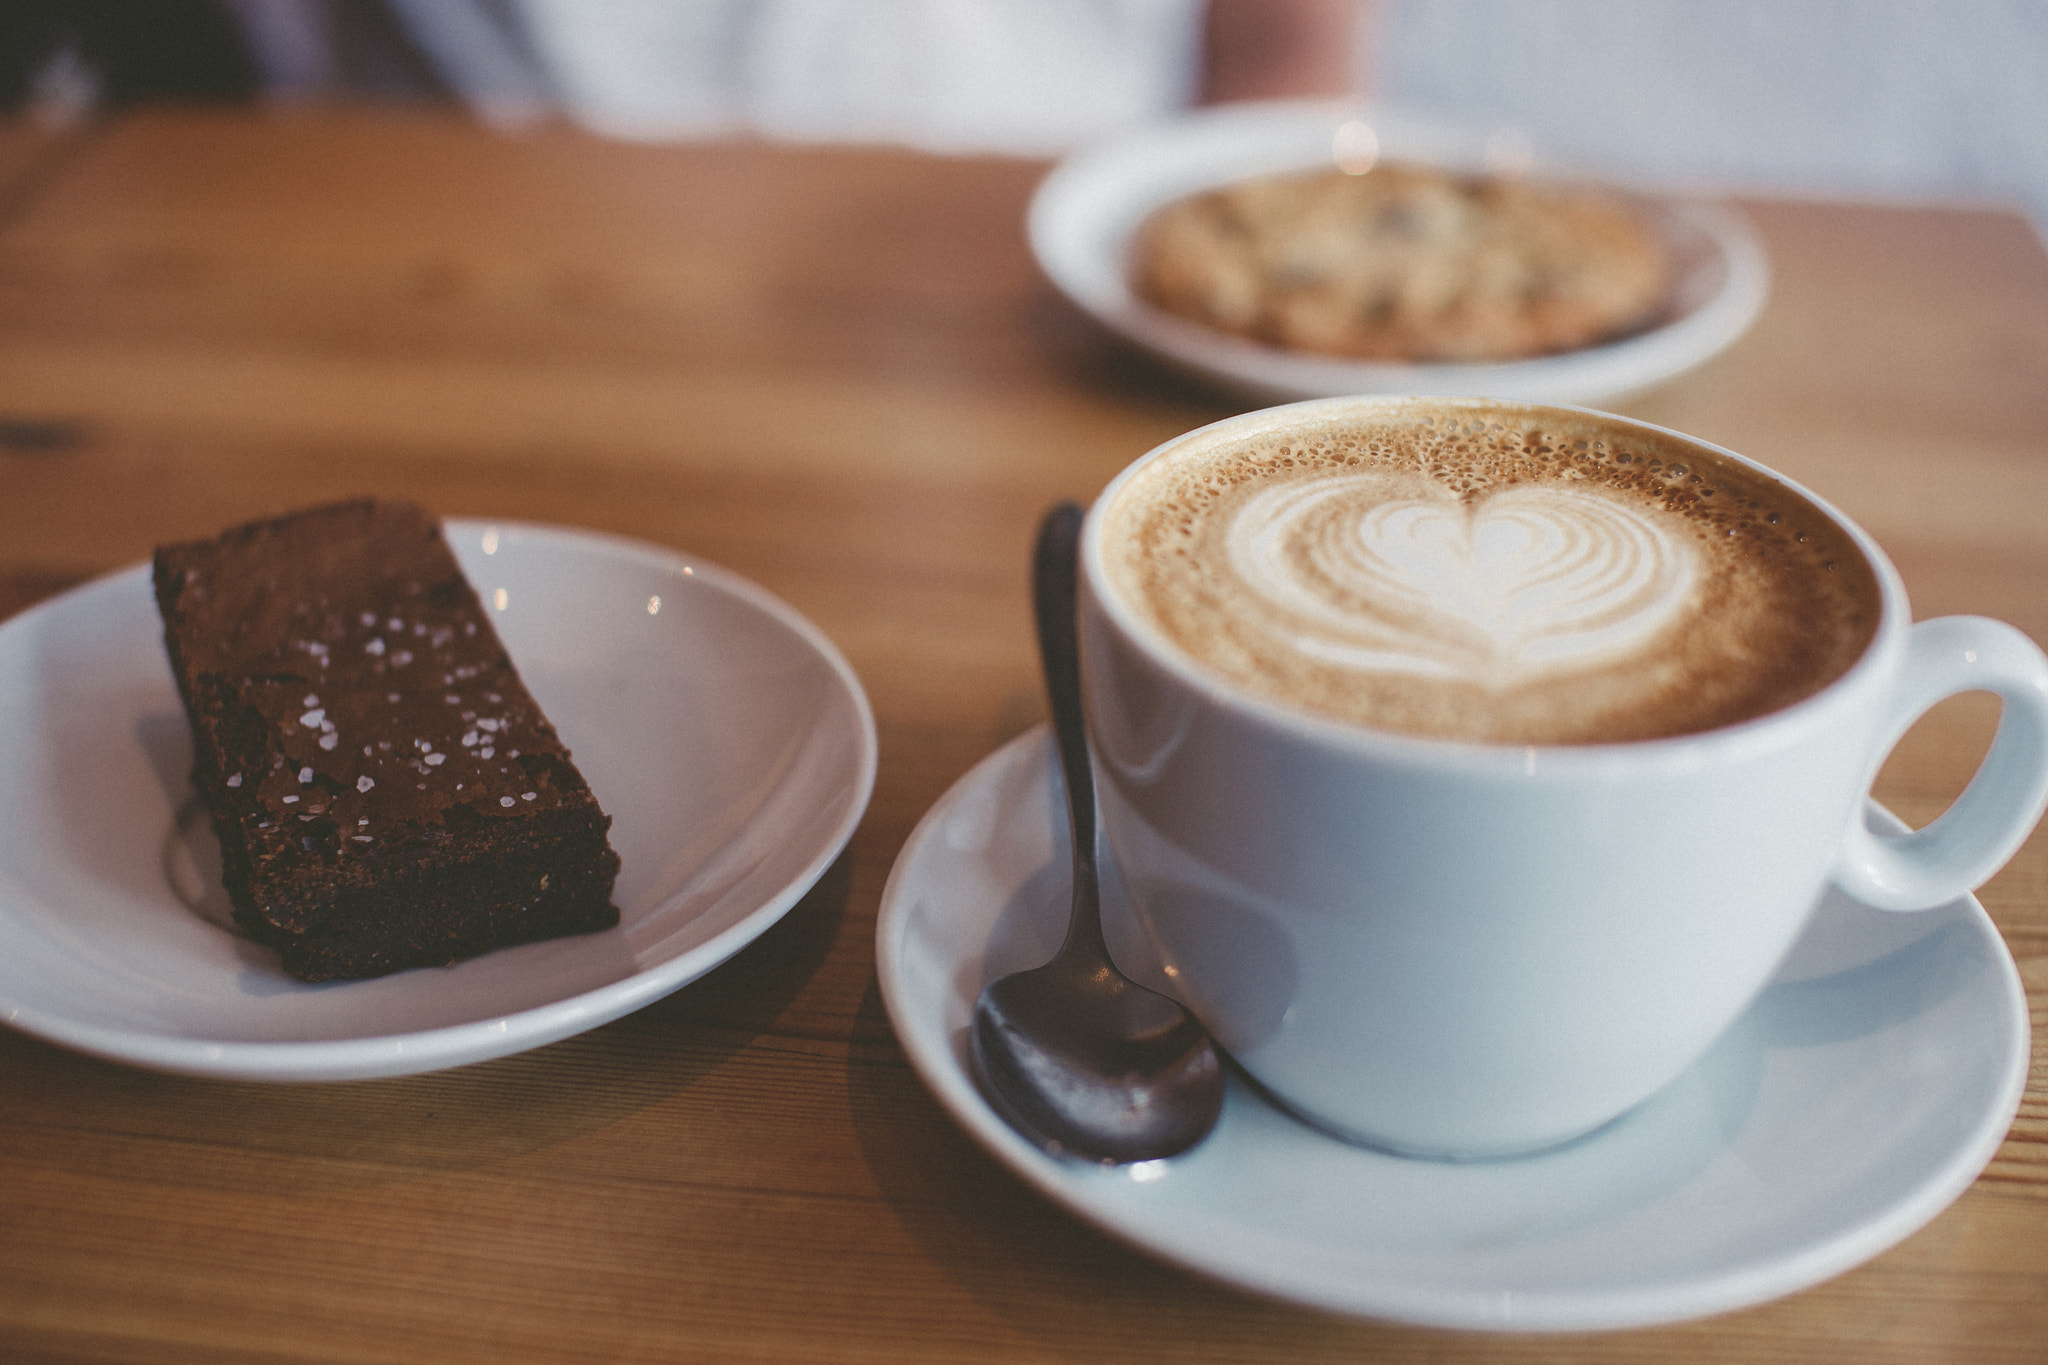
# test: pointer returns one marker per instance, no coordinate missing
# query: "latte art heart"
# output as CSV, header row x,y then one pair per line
x,y
1528,580
1483,572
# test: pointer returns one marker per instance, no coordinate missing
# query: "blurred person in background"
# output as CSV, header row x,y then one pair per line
x,y
1838,97
1020,76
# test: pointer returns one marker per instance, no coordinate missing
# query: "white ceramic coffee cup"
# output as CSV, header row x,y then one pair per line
x,y
1471,950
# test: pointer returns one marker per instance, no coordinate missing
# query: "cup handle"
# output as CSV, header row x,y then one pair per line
x,y
1992,818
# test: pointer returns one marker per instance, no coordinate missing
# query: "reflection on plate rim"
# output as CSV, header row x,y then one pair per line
x,y
1087,195
487,1038
1068,1183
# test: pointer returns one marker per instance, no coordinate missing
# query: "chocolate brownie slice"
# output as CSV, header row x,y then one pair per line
x,y
386,792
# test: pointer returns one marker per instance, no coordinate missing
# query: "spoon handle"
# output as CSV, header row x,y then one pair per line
x,y
1054,574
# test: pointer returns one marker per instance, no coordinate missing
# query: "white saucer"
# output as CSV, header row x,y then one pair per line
x,y
1083,214
1861,1094
726,737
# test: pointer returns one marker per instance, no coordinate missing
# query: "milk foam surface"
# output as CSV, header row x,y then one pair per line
x,y
1525,576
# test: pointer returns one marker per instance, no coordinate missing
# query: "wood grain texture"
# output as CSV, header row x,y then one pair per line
x,y
30,154
836,372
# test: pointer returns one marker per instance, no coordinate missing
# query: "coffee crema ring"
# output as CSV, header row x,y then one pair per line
x,y
1526,578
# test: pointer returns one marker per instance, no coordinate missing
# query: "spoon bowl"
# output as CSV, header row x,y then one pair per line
x,y
1075,1055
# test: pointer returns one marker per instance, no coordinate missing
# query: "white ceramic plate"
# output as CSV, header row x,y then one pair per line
x,y
1860,1095
726,737
1083,215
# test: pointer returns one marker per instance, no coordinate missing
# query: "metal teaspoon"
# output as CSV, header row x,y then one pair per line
x,y
1074,1055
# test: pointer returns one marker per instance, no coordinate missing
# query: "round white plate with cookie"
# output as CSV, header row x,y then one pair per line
x,y
724,734
1085,214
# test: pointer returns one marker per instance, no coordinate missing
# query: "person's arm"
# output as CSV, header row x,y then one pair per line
x,y
1277,49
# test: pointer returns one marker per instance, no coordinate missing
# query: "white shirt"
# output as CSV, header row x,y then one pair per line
x,y
951,75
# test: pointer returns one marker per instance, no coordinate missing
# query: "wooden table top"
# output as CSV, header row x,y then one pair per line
x,y
837,373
